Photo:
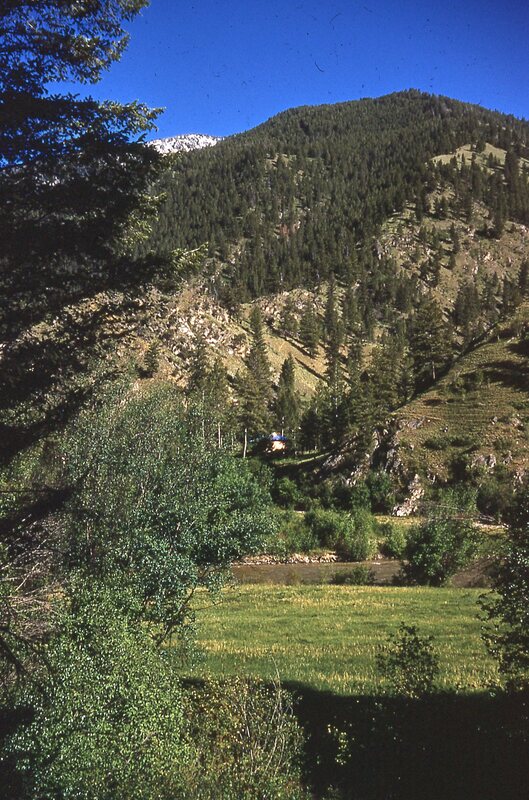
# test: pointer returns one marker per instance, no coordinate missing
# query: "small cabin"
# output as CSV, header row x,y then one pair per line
x,y
277,443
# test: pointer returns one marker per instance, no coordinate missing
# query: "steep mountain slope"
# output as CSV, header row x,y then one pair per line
x,y
305,193
473,424
400,198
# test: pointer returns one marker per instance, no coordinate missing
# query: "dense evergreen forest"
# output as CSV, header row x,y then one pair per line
x,y
303,195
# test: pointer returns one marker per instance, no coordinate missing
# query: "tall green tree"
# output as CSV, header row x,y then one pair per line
x,y
430,343
309,329
508,608
73,180
254,384
156,510
287,404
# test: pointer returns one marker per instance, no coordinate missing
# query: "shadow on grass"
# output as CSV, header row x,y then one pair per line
x,y
443,747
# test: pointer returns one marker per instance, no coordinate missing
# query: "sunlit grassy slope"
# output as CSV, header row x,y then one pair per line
x,y
479,410
326,637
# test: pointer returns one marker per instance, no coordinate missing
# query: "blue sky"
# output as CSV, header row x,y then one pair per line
x,y
223,67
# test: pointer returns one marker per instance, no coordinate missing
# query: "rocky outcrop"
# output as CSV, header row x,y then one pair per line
x,y
293,558
411,504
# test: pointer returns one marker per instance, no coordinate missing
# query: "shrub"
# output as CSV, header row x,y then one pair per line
x,y
507,608
409,662
495,494
286,493
437,442
381,491
360,496
297,536
328,526
351,535
325,493
444,543
247,740
361,575
107,722
395,540
358,542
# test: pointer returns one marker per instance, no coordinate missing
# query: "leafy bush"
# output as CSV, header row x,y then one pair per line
x,y
154,504
107,722
247,741
395,539
360,496
444,543
361,575
507,608
381,491
325,493
409,662
359,541
111,722
293,535
328,526
439,442
495,494
286,493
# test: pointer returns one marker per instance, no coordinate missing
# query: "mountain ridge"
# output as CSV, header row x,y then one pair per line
x,y
184,143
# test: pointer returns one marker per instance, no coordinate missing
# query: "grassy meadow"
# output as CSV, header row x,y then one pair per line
x,y
326,637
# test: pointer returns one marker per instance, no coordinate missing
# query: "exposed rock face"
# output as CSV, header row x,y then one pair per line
x,y
411,504
485,462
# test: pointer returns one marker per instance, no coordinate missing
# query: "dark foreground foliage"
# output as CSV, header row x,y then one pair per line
x,y
442,747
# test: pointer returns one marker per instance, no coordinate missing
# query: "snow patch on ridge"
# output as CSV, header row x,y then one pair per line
x,y
184,143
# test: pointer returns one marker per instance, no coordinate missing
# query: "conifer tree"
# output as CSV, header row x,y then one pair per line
x,y
309,329
199,367
287,405
523,278
350,315
467,310
330,318
288,323
254,384
430,343
74,182
218,405
359,411
385,372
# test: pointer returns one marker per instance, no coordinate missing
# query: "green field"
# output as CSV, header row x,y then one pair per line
x,y
326,637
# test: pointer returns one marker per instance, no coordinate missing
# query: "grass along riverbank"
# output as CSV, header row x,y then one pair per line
x,y
326,637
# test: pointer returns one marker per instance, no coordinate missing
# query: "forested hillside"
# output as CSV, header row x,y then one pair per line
x,y
303,195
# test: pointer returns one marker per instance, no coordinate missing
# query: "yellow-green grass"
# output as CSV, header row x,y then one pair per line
x,y
327,637
480,408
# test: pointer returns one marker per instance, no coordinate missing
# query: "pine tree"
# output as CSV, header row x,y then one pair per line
x,y
330,318
254,383
218,405
199,367
287,405
309,329
385,372
523,278
350,315
288,323
359,411
430,343
74,183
